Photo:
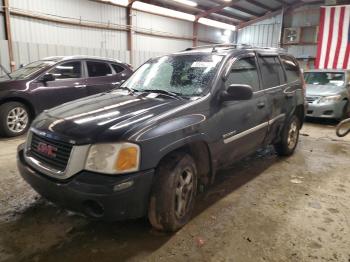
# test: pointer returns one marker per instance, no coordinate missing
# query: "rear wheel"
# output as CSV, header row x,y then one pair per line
x,y
173,193
289,137
14,119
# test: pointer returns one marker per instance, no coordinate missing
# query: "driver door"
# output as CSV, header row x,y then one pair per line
x,y
244,124
69,84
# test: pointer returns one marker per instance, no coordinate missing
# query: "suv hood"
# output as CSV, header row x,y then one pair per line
x,y
323,90
103,117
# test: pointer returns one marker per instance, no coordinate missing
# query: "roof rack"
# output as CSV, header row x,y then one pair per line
x,y
233,46
215,46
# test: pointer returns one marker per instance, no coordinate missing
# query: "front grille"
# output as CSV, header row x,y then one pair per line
x,y
311,99
52,153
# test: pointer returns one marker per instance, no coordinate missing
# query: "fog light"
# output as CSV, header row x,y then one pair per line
x,y
123,186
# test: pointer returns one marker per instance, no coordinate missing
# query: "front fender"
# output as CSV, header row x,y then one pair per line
x,y
161,139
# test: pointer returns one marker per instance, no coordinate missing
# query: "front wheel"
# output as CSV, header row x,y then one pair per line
x,y
173,195
289,137
14,119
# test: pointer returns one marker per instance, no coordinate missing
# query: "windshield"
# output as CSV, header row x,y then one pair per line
x,y
185,75
325,78
28,70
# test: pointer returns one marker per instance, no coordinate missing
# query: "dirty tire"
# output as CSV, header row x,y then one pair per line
x,y
289,137
175,183
5,111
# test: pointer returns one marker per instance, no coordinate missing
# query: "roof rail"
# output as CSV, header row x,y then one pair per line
x,y
233,46
224,46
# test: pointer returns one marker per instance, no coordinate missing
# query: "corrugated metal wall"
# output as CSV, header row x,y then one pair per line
x,y
34,39
266,33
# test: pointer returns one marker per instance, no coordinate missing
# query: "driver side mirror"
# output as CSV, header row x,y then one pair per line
x,y
47,78
237,92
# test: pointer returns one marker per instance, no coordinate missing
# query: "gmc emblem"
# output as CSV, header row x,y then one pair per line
x,y
46,149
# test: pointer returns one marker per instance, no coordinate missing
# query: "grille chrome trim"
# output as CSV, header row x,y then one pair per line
x,y
75,164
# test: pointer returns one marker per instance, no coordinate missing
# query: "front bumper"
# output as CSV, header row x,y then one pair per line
x,y
95,195
334,110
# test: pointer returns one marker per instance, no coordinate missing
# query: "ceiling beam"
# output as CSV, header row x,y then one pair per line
x,y
285,8
216,9
261,5
245,10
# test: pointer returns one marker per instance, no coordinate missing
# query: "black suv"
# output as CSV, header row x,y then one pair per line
x,y
145,149
53,81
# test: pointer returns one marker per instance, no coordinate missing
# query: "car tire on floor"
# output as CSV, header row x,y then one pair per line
x,y
289,137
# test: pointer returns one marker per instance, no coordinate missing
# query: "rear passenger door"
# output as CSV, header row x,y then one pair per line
x,y
100,77
243,124
274,84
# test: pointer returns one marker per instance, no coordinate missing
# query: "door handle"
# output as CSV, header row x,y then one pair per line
x,y
261,105
80,86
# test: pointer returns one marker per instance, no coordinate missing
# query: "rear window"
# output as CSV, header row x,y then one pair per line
x,y
271,71
96,69
292,69
325,78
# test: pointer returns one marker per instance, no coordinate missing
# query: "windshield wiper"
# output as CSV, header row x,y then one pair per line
x,y
169,93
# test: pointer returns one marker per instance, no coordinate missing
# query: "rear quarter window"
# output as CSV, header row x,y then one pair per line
x,y
291,68
117,68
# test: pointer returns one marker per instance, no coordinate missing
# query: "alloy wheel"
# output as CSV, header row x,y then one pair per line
x,y
184,193
17,119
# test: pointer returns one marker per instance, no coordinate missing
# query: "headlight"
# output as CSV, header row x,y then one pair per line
x,y
113,158
329,99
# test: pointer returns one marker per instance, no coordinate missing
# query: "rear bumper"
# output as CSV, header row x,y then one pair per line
x,y
98,196
334,111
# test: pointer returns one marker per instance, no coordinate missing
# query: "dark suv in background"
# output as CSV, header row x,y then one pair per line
x,y
144,149
53,81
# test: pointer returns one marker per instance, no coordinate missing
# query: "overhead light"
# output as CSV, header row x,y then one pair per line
x,y
186,2
154,9
227,1
213,23
117,2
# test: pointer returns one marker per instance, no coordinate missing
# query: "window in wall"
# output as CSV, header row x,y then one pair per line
x,y
67,70
96,69
244,71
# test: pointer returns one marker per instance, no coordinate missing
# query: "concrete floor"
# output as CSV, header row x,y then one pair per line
x,y
263,209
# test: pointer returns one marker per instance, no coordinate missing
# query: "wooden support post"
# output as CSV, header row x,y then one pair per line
x,y
8,34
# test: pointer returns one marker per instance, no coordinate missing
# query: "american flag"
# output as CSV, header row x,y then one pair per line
x,y
333,49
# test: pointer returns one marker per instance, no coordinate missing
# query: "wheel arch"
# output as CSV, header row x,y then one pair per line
x,y
29,105
200,151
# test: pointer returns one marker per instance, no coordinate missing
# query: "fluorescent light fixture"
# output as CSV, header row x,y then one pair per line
x,y
213,23
162,11
117,2
186,2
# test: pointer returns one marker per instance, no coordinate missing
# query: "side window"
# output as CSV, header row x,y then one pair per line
x,y
271,71
292,69
117,68
96,69
244,71
67,70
